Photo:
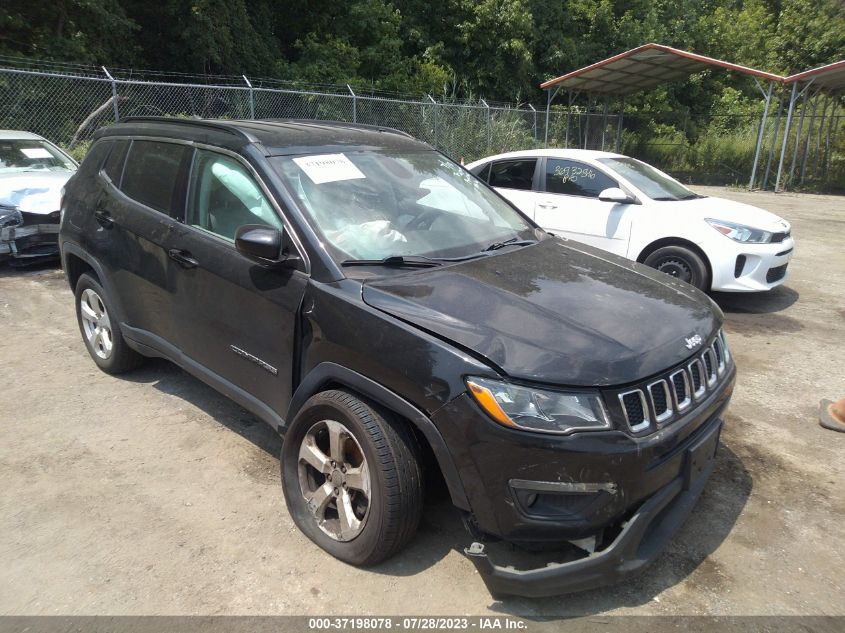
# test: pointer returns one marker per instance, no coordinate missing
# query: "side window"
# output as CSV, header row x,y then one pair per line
x,y
114,163
513,174
224,196
151,174
575,179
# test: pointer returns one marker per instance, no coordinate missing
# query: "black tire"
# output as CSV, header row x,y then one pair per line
x,y
396,485
121,357
681,263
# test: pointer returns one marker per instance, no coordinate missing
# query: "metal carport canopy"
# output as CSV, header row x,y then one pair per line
x,y
644,67
830,78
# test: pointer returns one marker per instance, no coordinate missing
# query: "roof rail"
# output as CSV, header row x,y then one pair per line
x,y
365,126
215,125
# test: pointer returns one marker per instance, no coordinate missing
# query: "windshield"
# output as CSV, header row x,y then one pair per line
x,y
652,182
369,205
31,155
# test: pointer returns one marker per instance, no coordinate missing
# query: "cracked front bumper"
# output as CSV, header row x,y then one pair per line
x,y
641,539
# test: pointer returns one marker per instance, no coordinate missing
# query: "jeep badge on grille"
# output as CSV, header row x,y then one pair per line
x,y
692,341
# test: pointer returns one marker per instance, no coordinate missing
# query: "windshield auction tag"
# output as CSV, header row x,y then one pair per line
x,y
328,168
36,152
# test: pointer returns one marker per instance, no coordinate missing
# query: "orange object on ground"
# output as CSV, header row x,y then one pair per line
x,y
832,415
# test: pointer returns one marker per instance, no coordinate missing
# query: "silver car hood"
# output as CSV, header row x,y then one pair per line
x,y
37,192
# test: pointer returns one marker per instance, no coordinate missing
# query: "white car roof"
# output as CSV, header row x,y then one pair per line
x,y
576,154
19,134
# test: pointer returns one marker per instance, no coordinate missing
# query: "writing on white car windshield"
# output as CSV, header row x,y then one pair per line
x,y
385,206
652,182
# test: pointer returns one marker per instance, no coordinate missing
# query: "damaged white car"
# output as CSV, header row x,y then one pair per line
x,y
33,172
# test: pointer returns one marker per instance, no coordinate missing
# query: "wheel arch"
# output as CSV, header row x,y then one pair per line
x,y
76,262
678,241
331,375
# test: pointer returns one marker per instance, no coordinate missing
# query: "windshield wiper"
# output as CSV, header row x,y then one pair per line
x,y
514,241
410,261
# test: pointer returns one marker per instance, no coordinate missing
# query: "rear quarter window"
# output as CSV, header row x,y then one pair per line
x,y
152,174
117,157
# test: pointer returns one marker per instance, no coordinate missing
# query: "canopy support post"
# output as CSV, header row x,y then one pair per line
x,y
798,132
604,123
774,141
821,133
619,124
758,147
792,99
809,140
587,128
570,99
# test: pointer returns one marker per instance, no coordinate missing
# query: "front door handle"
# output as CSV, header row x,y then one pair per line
x,y
547,205
183,258
104,218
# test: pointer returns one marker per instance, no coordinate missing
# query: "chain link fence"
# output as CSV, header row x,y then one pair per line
x,y
68,108
67,104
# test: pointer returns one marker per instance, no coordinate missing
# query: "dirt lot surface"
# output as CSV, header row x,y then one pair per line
x,y
152,494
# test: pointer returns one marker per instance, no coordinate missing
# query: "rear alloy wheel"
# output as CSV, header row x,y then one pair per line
x,y
100,329
681,263
351,477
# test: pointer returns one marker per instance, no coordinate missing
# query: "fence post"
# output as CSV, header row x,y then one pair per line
x,y
434,107
251,99
489,125
354,104
113,94
535,121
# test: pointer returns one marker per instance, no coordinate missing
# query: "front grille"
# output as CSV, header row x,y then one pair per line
x,y
665,399
776,274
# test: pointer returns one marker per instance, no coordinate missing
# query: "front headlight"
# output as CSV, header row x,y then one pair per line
x,y
538,409
740,232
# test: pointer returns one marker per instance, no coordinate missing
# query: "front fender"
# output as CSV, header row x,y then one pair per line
x,y
331,373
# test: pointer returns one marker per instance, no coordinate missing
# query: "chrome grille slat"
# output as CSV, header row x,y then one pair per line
x,y
694,367
634,425
681,404
660,418
709,358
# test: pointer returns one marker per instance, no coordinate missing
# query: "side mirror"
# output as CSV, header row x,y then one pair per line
x,y
616,195
263,244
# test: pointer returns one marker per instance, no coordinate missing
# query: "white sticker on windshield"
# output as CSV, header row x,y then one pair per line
x,y
328,168
36,152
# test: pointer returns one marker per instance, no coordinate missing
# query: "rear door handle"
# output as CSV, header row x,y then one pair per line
x,y
104,218
183,258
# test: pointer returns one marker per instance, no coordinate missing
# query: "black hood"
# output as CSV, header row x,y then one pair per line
x,y
557,312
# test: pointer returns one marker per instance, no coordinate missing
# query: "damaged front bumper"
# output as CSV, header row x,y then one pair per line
x,y
641,539
36,236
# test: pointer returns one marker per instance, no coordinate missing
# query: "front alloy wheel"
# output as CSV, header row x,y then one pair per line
x,y
334,479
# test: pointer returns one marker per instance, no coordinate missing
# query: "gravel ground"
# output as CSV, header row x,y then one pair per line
x,y
152,494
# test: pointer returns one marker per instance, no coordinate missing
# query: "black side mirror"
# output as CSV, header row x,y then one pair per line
x,y
263,244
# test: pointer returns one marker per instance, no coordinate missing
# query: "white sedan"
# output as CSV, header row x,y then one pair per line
x,y
627,207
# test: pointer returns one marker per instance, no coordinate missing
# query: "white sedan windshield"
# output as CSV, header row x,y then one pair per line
x,y
375,204
652,182
31,155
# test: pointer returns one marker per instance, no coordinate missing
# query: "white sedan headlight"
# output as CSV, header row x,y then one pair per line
x,y
539,410
740,232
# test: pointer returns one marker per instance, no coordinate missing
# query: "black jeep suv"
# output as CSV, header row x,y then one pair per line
x,y
376,303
